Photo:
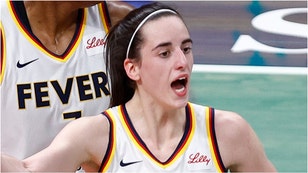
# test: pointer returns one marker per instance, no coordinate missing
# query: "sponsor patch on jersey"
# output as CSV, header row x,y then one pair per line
x,y
199,161
94,43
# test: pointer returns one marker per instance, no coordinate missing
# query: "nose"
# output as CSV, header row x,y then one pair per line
x,y
181,59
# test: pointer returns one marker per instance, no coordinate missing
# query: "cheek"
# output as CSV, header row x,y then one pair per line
x,y
153,72
151,69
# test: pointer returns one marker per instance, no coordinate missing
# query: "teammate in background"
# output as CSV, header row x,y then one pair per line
x,y
152,126
52,68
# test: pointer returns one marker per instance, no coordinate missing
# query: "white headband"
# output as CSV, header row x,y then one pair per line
x,y
142,22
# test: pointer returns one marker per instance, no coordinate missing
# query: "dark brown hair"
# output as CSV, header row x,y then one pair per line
x,y
122,87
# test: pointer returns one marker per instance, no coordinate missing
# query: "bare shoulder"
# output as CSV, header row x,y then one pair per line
x,y
91,127
91,134
226,116
90,122
231,128
119,5
118,10
240,148
230,123
95,132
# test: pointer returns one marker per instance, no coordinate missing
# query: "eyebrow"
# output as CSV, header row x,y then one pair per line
x,y
169,43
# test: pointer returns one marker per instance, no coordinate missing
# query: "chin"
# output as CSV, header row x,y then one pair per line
x,y
180,103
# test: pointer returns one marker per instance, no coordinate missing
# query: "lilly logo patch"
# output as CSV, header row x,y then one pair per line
x,y
94,43
198,161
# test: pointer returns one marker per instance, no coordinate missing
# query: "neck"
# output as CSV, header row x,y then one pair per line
x,y
53,16
52,23
160,129
159,122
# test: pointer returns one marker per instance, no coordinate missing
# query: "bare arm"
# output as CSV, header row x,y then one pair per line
x,y
118,10
82,142
239,146
9,164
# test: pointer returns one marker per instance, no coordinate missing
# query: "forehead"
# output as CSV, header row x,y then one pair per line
x,y
165,28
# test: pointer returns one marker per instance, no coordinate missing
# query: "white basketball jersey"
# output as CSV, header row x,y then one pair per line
x,y
41,91
196,152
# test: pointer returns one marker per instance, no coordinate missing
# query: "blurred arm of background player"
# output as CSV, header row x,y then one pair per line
x,y
118,10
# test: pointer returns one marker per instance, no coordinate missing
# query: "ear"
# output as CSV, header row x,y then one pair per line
x,y
132,69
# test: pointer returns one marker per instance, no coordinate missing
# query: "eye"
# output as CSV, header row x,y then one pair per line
x,y
187,50
187,47
164,54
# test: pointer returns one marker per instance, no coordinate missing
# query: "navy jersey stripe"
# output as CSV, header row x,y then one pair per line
x,y
110,143
214,140
187,133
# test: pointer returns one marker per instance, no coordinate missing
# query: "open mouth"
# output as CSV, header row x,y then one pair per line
x,y
179,85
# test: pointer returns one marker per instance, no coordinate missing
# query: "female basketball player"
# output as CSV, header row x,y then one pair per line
x,y
151,126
